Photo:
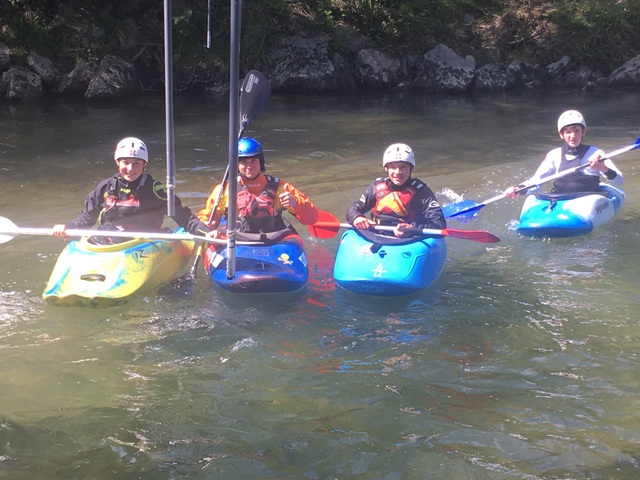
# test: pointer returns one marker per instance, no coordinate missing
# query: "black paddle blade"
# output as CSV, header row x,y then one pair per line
x,y
254,97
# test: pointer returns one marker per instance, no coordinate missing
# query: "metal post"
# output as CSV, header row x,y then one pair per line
x,y
168,100
234,122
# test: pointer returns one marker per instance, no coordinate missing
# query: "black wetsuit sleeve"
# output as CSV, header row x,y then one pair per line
x,y
187,220
361,206
93,205
429,211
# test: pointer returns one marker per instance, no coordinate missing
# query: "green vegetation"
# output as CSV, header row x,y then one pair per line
x,y
608,31
598,33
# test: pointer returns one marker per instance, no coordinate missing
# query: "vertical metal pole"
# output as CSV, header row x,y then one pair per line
x,y
168,101
208,24
234,125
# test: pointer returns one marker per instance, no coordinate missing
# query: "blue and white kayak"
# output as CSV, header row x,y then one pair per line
x,y
553,215
371,264
275,263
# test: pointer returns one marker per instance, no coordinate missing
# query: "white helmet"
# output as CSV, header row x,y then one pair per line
x,y
131,147
570,117
398,152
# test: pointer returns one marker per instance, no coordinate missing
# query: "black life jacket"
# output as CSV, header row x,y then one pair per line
x,y
577,181
122,202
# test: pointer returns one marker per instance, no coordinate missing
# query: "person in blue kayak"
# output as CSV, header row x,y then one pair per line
x,y
397,199
130,199
261,198
571,129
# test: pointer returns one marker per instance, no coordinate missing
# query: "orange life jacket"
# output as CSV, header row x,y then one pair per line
x,y
394,203
257,212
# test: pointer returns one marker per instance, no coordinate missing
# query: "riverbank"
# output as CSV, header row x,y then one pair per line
x,y
114,53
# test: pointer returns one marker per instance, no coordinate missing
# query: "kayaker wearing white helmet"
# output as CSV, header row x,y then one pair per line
x,y
398,199
571,129
130,199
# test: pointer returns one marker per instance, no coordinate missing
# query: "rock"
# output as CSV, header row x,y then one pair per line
x,y
349,39
515,76
43,67
443,70
302,64
375,69
115,79
581,77
344,62
520,74
560,67
21,84
344,77
5,57
628,74
491,77
76,82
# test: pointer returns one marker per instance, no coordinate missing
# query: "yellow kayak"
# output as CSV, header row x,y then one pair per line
x,y
90,275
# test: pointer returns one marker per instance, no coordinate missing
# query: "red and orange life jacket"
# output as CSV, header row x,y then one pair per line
x,y
257,212
395,203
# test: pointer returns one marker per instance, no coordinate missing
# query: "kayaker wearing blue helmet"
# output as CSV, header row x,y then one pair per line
x,y
261,198
571,129
130,200
397,199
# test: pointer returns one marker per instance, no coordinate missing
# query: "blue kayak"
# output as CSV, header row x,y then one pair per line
x,y
563,215
276,263
372,264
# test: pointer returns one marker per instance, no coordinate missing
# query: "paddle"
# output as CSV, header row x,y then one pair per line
x,y
525,187
254,97
9,230
327,226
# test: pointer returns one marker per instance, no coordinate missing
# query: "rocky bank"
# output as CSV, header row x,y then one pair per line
x,y
312,64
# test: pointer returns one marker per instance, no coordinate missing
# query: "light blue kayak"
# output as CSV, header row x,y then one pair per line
x,y
549,215
372,264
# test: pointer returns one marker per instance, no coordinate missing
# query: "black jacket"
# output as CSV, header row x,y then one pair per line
x,y
141,205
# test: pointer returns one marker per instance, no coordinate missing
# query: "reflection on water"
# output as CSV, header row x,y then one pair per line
x,y
520,362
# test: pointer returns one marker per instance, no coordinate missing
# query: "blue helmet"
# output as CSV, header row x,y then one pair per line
x,y
250,147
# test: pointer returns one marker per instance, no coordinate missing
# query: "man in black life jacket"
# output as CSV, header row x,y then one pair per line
x,y
398,199
571,129
130,200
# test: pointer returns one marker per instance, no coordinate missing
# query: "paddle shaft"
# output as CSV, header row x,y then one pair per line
x,y
254,81
473,235
544,180
386,228
196,260
14,231
254,96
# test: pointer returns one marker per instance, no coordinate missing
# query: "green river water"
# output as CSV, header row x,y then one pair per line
x,y
521,362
